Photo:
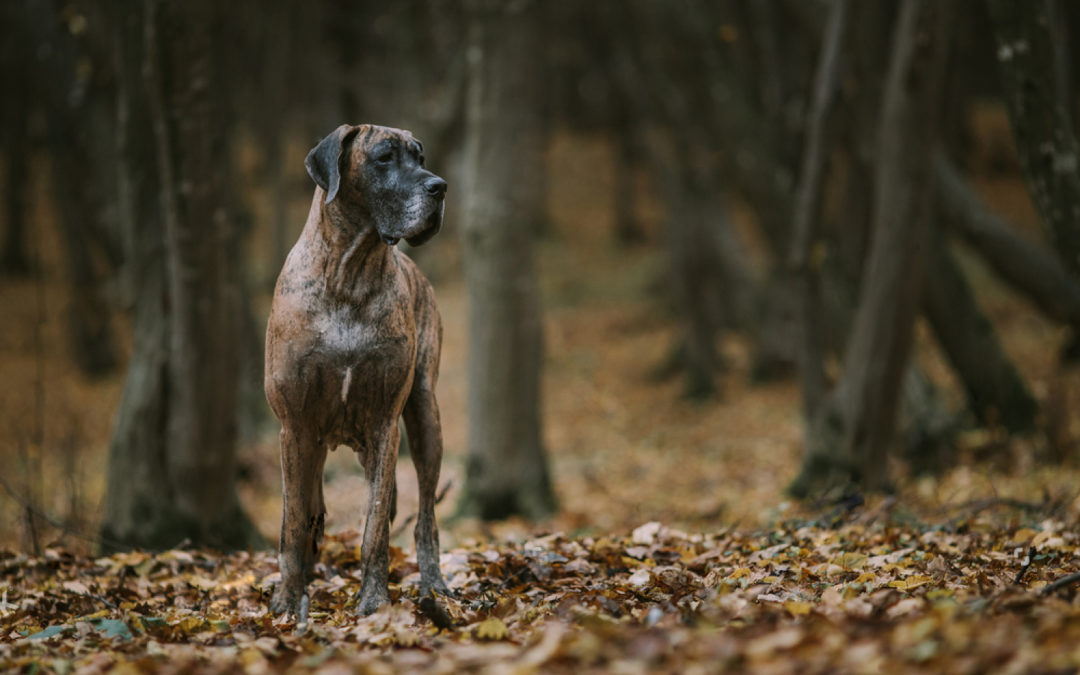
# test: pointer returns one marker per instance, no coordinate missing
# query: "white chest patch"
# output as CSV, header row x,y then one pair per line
x,y
345,384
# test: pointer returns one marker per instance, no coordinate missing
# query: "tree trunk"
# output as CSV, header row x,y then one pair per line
x,y
996,393
14,258
628,229
695,268
1041,122
868,61
848,440
808,199
711,280
138,504
1029,268
176,429
76,186
507,471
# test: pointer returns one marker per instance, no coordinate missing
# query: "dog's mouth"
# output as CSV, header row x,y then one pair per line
x,y
428,229
417,231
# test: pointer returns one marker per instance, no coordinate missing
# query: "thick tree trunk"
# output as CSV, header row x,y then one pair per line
x,y
138,504
851,433
1041,122
507,470
176,430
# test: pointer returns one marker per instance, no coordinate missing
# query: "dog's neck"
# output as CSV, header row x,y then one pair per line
x,y
354,258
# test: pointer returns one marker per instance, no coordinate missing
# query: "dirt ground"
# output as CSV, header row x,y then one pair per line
x,y
625,448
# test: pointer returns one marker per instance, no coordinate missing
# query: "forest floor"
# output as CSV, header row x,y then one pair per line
x,y
675,548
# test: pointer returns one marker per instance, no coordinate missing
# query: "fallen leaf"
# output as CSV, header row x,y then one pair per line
x,y
491,628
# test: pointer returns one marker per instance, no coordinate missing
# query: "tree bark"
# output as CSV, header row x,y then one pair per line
x,y
181,394
808,211
138,507
711,281
1041,123
628,229
1029,268
506,471
695,267
76,184
850,435
14,258
996,393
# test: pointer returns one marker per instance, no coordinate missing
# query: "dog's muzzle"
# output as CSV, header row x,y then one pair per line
x,y
432,225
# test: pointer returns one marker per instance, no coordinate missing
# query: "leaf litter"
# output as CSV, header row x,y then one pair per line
x,y
799,596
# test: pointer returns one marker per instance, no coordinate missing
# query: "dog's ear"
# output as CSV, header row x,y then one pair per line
x,y
324,161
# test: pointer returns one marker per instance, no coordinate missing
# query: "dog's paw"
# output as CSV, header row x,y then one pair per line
x,y
438,587
369,601
290,601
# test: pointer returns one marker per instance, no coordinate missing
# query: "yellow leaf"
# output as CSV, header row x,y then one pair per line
x,y
192,624
739,573
770,580
864,578
143,568
797,608
911,582
850,560
491,628
1024,535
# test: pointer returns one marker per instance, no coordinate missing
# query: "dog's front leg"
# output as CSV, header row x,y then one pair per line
x,y
303,517
381,468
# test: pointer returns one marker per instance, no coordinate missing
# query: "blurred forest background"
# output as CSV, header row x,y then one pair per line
x,y
726,253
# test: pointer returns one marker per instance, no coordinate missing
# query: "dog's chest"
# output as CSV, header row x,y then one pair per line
x,y
371,357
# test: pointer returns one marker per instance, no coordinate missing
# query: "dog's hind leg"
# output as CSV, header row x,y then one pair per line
x,y
303,516
425,445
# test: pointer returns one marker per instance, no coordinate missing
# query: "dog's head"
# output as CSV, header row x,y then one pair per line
x,y
378,175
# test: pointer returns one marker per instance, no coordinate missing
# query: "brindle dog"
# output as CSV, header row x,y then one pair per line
x,y
353,344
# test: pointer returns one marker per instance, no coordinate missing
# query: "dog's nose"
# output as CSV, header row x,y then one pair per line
x,y
435,186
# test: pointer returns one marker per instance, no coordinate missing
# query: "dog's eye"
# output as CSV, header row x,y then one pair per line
x,y
385,157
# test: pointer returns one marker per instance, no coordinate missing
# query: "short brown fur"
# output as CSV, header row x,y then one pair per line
x,y
352,345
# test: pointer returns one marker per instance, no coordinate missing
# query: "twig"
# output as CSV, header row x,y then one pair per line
x,y
977,506
1063,582
438,500
1028,559
66,528
33,476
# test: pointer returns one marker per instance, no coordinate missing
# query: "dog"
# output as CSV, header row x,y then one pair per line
x,y
352,345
